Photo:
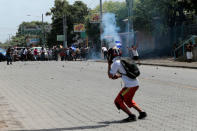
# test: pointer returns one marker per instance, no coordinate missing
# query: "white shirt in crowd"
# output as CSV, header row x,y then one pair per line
x,y
117,67
134,52
25,51
42,50
104,49
189,55
50,52
67,52
15,52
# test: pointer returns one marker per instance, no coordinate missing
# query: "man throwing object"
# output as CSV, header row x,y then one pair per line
x,y
124,100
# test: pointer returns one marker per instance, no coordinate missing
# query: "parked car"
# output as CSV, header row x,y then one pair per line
x,y
2,54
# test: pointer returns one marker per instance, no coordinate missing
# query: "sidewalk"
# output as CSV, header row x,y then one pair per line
x,y
168,62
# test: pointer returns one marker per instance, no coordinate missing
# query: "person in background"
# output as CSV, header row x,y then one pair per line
x,y
62,54
9,56
36,54
134,51
24,54
15,55
175,52
135,54
50,54
42,52
29,54
104,51
83,52
189,47
78,53
67,53
55,53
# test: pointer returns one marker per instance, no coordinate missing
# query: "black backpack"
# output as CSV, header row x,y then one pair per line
x,y
132,71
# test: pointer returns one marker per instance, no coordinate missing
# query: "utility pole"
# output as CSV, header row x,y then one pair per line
x,y
65,31
9,39
131,14
43,39
101,30
130,20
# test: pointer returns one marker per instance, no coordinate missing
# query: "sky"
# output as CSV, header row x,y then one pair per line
x,y
14,12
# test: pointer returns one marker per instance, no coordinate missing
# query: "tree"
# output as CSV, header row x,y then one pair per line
x,y
75,13
93,31
168,12
145,14
23,33
57,12
18,40
79,11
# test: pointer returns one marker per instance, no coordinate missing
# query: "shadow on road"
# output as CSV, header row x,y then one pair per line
x,y
101,125
69,128
113,122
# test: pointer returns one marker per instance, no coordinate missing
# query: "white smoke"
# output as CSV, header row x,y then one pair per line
x,y
110,30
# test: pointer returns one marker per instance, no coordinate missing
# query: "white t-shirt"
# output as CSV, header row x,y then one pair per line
x,y
24,51
117,67
104,49
135,53
42,51
67,52
189,55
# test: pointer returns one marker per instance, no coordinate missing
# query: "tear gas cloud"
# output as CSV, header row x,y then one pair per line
x,y
110,30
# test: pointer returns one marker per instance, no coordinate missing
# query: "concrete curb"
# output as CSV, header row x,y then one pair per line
x,y
155,64
175,66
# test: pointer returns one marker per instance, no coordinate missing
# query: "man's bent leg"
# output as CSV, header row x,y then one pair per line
x,y
120,104
135,106
128,99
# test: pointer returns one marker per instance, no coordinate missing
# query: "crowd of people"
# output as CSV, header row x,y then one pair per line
x,y
55,53
44,54
73,53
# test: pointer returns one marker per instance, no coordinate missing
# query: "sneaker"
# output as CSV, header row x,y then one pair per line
x,y
131,118
142,115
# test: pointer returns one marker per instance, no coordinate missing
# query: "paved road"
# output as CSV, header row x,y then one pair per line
x,y
60,96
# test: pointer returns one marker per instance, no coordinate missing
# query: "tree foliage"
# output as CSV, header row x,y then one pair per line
x,y
166,13
75,14
21,35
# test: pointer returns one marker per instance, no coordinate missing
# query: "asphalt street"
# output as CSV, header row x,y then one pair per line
x,y
61,96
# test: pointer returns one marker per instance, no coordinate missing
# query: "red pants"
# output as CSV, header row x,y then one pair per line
x,y
125,96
